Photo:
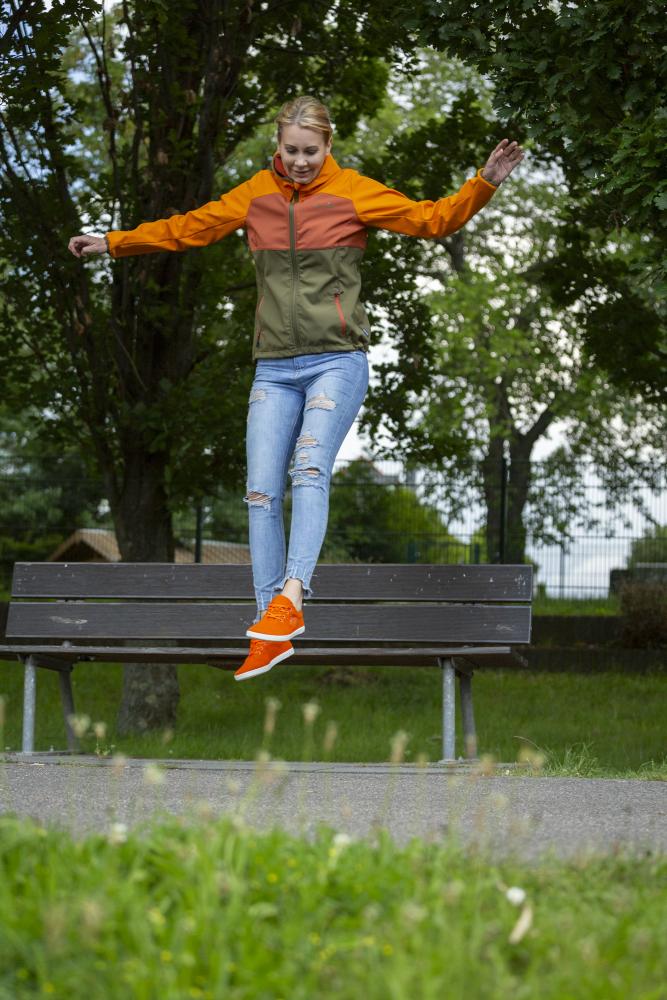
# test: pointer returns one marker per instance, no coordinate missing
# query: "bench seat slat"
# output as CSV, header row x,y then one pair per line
x,y
406,656
348,582
427,623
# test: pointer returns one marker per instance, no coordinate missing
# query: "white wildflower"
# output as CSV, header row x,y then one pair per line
x,y
338,844
154,775
330,736
79,724
118,763
398,744
117,833
203,810
272,709
413,912
515,895
310,712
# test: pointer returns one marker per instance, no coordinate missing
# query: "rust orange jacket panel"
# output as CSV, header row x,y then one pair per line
x,y
307,241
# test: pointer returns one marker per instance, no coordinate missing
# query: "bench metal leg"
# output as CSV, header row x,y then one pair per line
x,y
67,698
448,708
29,699
467,715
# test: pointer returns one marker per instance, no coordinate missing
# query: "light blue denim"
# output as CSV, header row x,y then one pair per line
x,y
300,408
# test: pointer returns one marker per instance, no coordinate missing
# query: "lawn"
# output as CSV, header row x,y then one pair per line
x,y
604,606
200,908
211,909
604,724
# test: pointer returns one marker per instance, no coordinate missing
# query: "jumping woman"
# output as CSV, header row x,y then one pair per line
x,y
306,221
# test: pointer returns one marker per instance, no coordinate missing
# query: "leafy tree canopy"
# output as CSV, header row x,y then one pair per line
x,y
500,357
587,82
372,519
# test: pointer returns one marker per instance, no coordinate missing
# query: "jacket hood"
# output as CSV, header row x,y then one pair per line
x,y
329,170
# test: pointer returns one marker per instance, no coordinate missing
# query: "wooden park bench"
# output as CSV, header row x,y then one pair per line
x,y
459,617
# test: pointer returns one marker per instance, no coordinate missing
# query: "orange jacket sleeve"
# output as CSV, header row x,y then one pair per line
x,y
206,224
384,208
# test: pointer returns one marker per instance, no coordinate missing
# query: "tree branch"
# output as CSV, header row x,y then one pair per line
x,y
541,425
105,90
13,24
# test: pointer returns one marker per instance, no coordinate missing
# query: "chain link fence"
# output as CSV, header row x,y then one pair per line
x,y
581,531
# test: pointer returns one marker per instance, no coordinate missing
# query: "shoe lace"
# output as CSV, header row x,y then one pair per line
x,y
257,645
278,611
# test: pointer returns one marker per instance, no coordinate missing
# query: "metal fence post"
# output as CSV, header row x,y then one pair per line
x,y
199,524
502,544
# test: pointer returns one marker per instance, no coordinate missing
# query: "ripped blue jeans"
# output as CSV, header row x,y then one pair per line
x,y
300,408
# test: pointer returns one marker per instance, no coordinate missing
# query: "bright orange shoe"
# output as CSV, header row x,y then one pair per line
x,y
281,621
263,656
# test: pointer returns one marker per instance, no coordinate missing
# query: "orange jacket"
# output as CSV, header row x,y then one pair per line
x,y
307,241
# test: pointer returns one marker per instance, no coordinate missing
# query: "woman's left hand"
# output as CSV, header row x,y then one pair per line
x,y
502,161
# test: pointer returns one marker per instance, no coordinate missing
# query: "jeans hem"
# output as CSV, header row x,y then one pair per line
x,y
297,571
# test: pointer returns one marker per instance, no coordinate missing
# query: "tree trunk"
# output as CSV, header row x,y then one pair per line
x,y
505,529
518,485
144,528
492,473
141,511
149,699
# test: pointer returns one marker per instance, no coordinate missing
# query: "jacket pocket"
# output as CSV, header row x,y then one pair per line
x,y
258,322
341,314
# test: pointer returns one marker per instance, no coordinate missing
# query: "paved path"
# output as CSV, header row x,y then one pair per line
x,y
502,813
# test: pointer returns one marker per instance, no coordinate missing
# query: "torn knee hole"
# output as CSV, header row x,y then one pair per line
x,y
304,477
257,499
320,402
306,440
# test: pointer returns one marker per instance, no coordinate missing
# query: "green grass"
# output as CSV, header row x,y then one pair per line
x,y
608,724
208,910
576,606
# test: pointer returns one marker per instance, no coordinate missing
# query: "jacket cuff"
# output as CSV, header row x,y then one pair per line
x,y
494,187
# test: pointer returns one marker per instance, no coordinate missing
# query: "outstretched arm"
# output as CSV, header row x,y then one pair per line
x,y
198,228
384,208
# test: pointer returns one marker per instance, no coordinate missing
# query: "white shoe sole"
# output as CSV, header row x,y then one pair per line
x,y
265,668
274,638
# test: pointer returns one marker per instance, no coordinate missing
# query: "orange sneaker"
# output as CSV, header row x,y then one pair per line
x,y
281,621
262,656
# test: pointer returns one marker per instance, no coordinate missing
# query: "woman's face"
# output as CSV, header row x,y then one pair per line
x,y
303,151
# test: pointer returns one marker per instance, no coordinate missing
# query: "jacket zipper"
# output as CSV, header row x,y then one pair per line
x,y
294,263
258,321
341,314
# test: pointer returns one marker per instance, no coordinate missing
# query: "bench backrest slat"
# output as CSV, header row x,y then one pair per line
x,y
345,582
413,623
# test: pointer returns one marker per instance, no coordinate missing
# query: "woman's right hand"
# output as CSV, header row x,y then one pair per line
x,y
86,246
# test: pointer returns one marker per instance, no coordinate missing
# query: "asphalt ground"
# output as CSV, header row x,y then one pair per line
x,y
499,813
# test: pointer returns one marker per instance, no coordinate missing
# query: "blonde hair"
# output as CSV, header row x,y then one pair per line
x,y
307,112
